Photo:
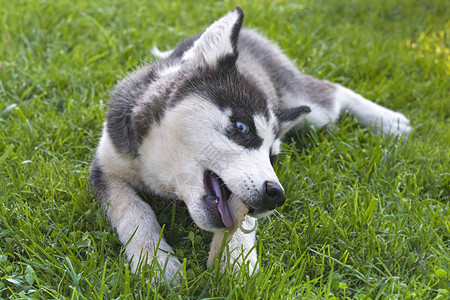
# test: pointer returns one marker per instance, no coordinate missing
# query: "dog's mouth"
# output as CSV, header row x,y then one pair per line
x,y
217,196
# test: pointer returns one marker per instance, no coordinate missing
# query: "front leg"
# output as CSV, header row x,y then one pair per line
x,y
136,225
240,247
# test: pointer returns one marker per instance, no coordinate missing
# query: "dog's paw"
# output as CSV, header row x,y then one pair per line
x,y
389,122
168,267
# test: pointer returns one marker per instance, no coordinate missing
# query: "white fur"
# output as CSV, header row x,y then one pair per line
x,y
185,131
319,116
136,223
265,129
169,71
175,135
161,54
214,43
190,138
115,164
276,147
133,219
368,113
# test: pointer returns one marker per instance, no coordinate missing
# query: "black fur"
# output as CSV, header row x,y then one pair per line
x,y
230,60
184,46
228,89
248,140
287,76
237,29
292,114
149,112
119,116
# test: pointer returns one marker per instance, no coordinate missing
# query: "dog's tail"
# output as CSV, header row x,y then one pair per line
x,y
161,54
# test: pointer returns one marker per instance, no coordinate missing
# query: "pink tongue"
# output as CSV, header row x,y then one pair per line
x,y
222,206
224,213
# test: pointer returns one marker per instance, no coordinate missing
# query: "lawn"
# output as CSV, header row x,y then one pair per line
x,y
366,217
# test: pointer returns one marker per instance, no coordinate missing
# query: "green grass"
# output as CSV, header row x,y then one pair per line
x,y
366,217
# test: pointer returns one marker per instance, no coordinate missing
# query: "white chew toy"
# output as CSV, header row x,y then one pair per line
x,y
238,210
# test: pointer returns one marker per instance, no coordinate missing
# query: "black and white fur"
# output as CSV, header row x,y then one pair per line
x,y
211,114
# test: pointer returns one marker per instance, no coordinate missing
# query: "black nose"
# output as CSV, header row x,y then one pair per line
x,y
273,195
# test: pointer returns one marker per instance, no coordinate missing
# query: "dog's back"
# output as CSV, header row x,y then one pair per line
x,y
203,124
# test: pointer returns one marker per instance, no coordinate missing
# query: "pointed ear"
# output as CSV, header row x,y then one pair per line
x,y
218,43
290,116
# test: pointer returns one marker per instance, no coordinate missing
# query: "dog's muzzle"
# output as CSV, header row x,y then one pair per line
x,y
217,196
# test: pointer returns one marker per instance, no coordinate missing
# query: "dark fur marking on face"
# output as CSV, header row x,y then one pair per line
x,y
149,112
228,89
249,140
120,110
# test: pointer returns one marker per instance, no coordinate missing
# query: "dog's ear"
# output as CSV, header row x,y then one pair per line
x,y
290,116
218,44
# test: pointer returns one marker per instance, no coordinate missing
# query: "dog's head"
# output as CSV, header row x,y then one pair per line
x,y
220,135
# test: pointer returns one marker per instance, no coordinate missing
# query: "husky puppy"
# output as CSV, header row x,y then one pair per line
x,y
203,125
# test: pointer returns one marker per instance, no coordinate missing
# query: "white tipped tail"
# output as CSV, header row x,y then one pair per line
x,y
161,54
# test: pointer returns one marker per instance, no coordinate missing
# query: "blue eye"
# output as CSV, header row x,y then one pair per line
x,y
241,127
